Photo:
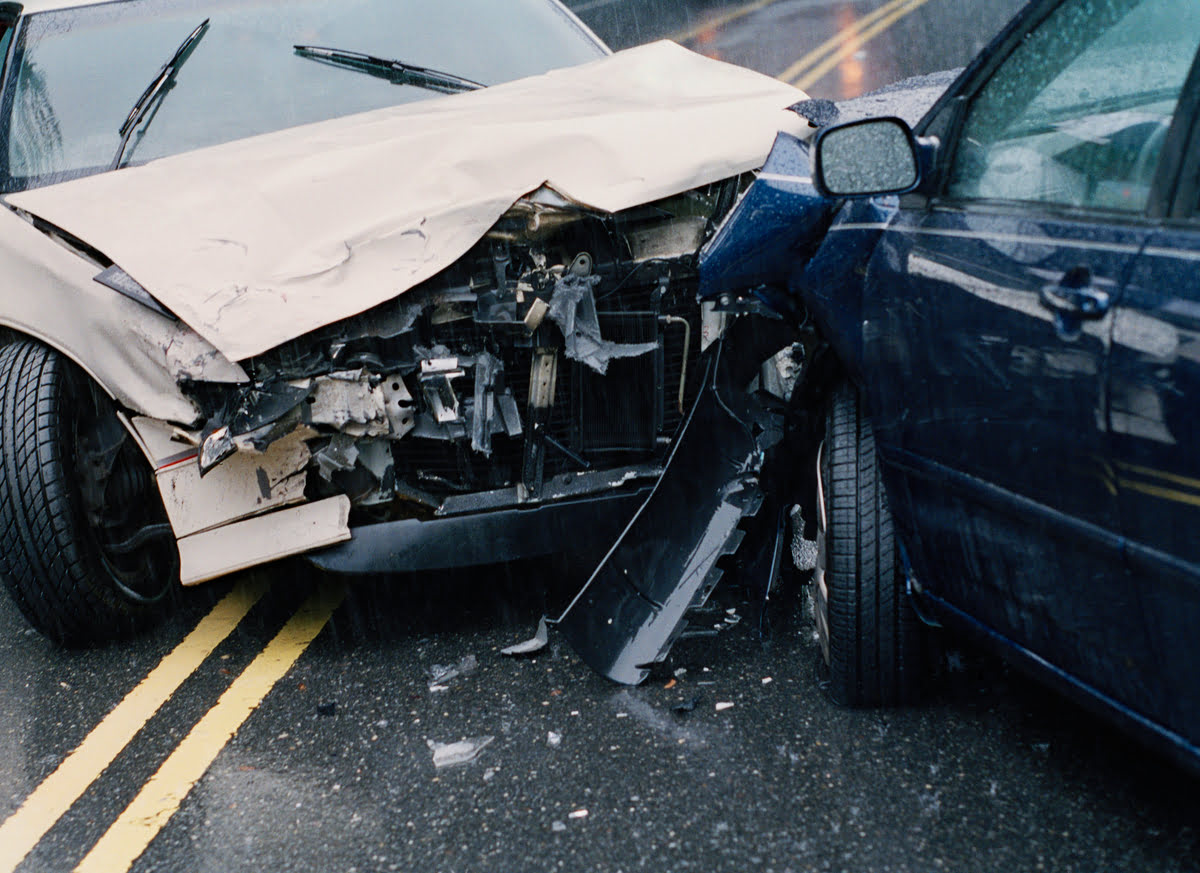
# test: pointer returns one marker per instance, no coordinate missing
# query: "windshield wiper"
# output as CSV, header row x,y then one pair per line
x,y
157,91
396,72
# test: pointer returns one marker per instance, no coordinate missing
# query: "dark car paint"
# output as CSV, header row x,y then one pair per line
x,y
1038,463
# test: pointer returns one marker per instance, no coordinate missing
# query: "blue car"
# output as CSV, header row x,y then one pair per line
x,y
1006,360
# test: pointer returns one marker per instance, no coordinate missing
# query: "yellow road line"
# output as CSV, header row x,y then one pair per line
x,y
720,21
853,45
810,68
797,69
1160,474
162,796
58,791
1170,494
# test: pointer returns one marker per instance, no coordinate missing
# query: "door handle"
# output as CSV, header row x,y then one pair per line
x,y
1074,295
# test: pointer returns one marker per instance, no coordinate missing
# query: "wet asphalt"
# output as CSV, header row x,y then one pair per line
x,y
334,770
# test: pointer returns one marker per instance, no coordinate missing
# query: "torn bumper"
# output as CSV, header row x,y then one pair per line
x,y
590,525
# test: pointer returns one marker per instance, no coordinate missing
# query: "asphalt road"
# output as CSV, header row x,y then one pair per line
x,y
157,754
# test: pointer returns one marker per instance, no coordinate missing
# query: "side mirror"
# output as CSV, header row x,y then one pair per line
x,y
864,158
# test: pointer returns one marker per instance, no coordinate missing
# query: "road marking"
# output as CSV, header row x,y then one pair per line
x,y
813,66
720,21
58,791
162,796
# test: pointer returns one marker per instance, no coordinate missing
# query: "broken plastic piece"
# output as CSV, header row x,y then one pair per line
x,y
553,739
578,813
724,705
530,646
217,446
533,645
456,754
440,674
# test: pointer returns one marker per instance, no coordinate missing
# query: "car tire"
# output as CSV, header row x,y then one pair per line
x,y
85,550
869,633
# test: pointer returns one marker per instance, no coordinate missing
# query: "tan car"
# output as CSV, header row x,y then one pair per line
x,y
410,283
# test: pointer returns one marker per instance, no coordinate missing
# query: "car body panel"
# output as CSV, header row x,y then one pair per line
x,y
1155,378
972,377
263,240
138,356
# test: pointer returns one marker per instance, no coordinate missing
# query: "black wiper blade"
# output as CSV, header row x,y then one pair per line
x,y
396,72
158,88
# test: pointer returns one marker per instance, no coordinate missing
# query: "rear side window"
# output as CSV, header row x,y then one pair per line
x,y
1077,115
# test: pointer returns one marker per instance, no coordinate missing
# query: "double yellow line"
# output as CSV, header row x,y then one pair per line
x,y
809,70
159,799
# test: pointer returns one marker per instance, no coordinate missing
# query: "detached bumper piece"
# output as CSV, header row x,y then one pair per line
x,y
634,606
414,545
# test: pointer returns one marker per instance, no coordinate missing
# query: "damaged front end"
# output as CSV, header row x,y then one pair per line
x,y
524,401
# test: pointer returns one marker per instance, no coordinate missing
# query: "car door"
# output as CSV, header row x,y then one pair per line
x,y
988,321
1155,412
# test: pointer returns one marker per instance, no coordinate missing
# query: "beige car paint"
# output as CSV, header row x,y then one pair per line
x,y
260,241
137,356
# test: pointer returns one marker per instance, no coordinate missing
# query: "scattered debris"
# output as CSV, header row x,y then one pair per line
x,y
441,674
680,672
553,739
327,709
558,827
724,705
671,684
688,705
530,646
489,774
454,754
578,813
767,680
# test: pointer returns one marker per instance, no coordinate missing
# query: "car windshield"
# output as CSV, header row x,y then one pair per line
x,y
76,73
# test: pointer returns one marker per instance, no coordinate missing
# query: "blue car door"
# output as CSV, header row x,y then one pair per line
x,y
1155,411
988,319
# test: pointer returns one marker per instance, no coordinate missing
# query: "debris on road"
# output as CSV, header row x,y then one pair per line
x,y
441,674
724,705
455,754
578,813
531,646
687,706
553,739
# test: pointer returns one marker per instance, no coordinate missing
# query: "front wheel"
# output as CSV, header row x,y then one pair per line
x,y
869,633
85,549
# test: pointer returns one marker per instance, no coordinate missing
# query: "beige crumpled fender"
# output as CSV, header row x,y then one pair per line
x,y
49,293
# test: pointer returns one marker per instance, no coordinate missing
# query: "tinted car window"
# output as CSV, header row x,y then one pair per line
x,y
81,70
1077,115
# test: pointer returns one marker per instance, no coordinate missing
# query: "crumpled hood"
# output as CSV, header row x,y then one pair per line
x,y
257,242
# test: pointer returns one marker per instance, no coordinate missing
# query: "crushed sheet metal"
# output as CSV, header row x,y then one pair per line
x,y
245,485
246,544
260,241
573,309
348,402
